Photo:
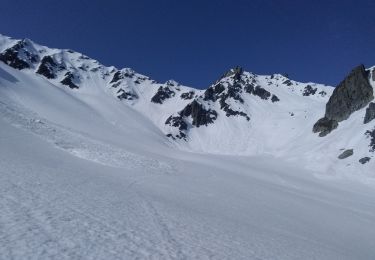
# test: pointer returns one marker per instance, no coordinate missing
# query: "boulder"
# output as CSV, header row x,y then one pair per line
x,y
346,154
324,126
364,160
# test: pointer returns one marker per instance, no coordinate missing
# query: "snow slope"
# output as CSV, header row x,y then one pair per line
x,y
87,172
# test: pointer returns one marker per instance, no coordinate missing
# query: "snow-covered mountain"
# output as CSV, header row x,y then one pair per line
x,y
104,163
241,113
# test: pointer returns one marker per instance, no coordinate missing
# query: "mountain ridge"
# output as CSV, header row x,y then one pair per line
x,y
241,113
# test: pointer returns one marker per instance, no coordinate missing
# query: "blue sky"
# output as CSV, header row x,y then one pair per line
x,y
194,42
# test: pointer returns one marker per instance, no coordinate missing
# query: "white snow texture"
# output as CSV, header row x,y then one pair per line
x,y
86,173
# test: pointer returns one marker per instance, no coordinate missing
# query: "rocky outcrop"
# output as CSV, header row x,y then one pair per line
x,y
275,99
162,94
69,80
187,95
260,92
323,93
235,73
364,160
47,67
122,94
117,76
324,126
230,112
199,114
288,82
180,124
371,135
370,113
345,154
352,94
309,90
121,74
213,93
172,83
18,56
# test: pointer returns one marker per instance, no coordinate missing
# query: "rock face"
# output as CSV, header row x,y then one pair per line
x,y
69,81
213,93
47,67
370,113
352,94
346,154
199,114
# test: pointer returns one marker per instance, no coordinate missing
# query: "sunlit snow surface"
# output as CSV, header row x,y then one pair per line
x,y
84,176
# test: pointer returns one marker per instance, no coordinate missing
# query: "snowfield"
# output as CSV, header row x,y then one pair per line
x,y
86,176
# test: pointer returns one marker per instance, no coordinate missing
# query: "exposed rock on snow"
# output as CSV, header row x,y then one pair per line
x,y
352,94
371,134
162,94
370,113
122,94
69,80
213,92
345,154
172,83
324,126
19,56
309,91
364,160
47,67
188,95
199,114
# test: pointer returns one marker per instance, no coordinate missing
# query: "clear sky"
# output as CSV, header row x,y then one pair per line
x,y
194,42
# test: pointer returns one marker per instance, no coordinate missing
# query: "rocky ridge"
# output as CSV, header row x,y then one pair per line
x,y
236,104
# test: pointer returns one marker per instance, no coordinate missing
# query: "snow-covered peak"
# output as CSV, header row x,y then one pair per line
x,y
241,113
172,82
